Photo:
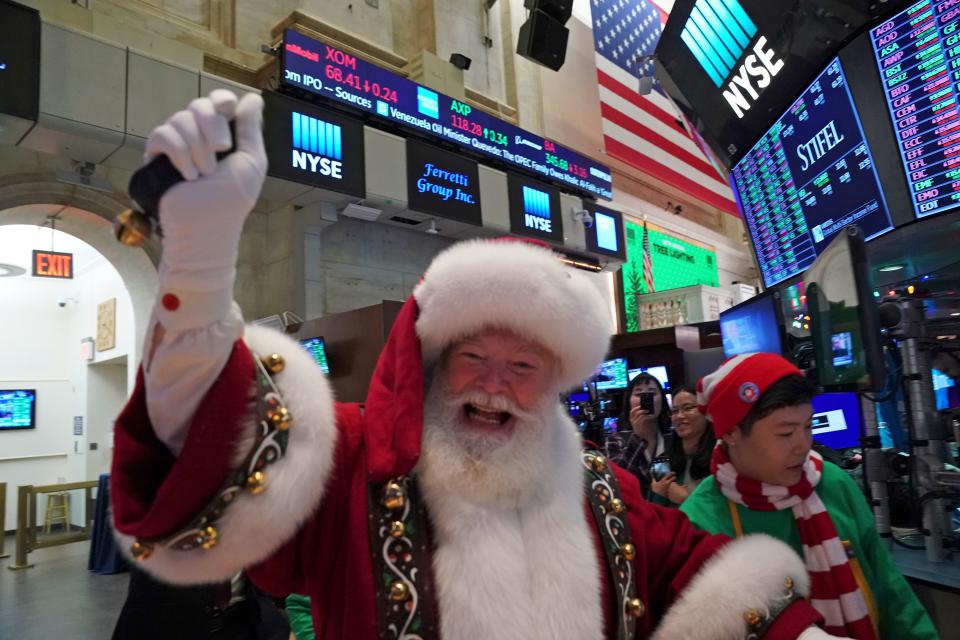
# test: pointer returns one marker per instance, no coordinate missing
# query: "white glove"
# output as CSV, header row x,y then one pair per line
x,y
816,633
202,218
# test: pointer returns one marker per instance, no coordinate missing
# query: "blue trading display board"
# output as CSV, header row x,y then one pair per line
x,y
917,54
319,68
807,178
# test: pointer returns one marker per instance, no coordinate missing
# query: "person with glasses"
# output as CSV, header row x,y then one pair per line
x,y
689,451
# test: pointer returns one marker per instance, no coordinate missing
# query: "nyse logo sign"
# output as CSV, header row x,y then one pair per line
x,y
317,146
536,210
718,32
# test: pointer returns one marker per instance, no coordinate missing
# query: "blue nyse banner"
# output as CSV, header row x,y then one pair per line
x,y
313,146
534,208
332,74
442,183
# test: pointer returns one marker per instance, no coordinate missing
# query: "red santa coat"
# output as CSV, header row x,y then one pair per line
x,y
291,540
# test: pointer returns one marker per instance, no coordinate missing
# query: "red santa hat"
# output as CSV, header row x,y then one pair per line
x,y
473,285
728,394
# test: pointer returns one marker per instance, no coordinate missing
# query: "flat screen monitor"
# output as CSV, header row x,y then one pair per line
x,y
809,176
659,372
18,409
751,327
945,390
836,420
318,350
612,374
844,326
916,53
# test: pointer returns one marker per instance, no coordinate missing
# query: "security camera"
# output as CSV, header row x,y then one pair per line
x,y
583,217
61,302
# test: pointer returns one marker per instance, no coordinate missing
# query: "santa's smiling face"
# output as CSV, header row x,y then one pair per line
x,y
489,418
498,375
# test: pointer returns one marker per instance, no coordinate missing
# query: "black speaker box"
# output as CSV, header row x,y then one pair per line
x,y
556,9
543,40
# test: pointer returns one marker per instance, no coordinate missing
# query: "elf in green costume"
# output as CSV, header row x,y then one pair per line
x,y
766,479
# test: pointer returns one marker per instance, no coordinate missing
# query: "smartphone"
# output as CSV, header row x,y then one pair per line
x,y
646,401
659,467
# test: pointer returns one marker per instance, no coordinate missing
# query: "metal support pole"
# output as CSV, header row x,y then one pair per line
x,y
24,493
876,470
3,518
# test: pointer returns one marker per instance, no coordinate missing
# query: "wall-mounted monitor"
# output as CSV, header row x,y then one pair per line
x,y
534,208
945,390
442,183
752,326
916,53
612,374
606,235
317,348
313,146
19,60
18,409
809,176
836,420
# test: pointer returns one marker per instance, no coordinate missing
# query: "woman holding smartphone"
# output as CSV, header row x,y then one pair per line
x,y
688,452
642,426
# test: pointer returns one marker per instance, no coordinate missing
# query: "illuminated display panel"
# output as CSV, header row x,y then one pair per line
x,y
917,54
807,178
321,69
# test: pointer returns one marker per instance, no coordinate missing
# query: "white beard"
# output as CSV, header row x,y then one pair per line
x,y
490,469
515,558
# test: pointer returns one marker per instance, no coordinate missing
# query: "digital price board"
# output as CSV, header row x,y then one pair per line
x,y
442,183
918,54
808,177
605,236
326,71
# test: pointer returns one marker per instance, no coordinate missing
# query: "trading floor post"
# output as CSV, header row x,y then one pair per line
x,y
3,519
23,532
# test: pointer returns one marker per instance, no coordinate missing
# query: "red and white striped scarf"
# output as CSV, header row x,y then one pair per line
x,y
833,587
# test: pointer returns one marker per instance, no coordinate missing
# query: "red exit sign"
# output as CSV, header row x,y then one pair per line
x,y
51,264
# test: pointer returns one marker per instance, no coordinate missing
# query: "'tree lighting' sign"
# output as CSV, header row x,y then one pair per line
x,y
313,66
313,146
442,183
534,208
52,264
676,263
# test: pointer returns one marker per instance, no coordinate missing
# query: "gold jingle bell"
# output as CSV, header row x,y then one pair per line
x,y
788,583
209,537
274,363
140,551
393,496
616,505
132,228
257,482
280,418
398,529
636,608
752,617
629,551
598,463
399,591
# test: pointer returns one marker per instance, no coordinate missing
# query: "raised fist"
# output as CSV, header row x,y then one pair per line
x,y
202,217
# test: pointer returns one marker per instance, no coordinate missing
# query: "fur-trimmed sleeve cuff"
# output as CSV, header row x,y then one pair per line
x,y
156,496
748,574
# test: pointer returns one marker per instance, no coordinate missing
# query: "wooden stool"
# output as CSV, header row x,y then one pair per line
x,y
58,510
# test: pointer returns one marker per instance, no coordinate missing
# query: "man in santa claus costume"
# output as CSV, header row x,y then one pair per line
x,y
457,502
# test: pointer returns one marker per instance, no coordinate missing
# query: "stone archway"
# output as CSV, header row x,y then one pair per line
x,y
28,198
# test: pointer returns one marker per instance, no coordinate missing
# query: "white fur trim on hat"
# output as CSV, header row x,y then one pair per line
x,y
517,286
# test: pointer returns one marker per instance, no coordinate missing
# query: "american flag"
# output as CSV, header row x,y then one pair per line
x,y
643,131
647,261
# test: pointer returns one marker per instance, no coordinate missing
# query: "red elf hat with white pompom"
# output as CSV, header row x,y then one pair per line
x,y
728,394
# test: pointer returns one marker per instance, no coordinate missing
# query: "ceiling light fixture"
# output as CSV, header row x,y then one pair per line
x,y
11,270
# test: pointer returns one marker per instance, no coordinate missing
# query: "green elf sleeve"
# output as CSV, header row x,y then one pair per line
x,y
301,620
